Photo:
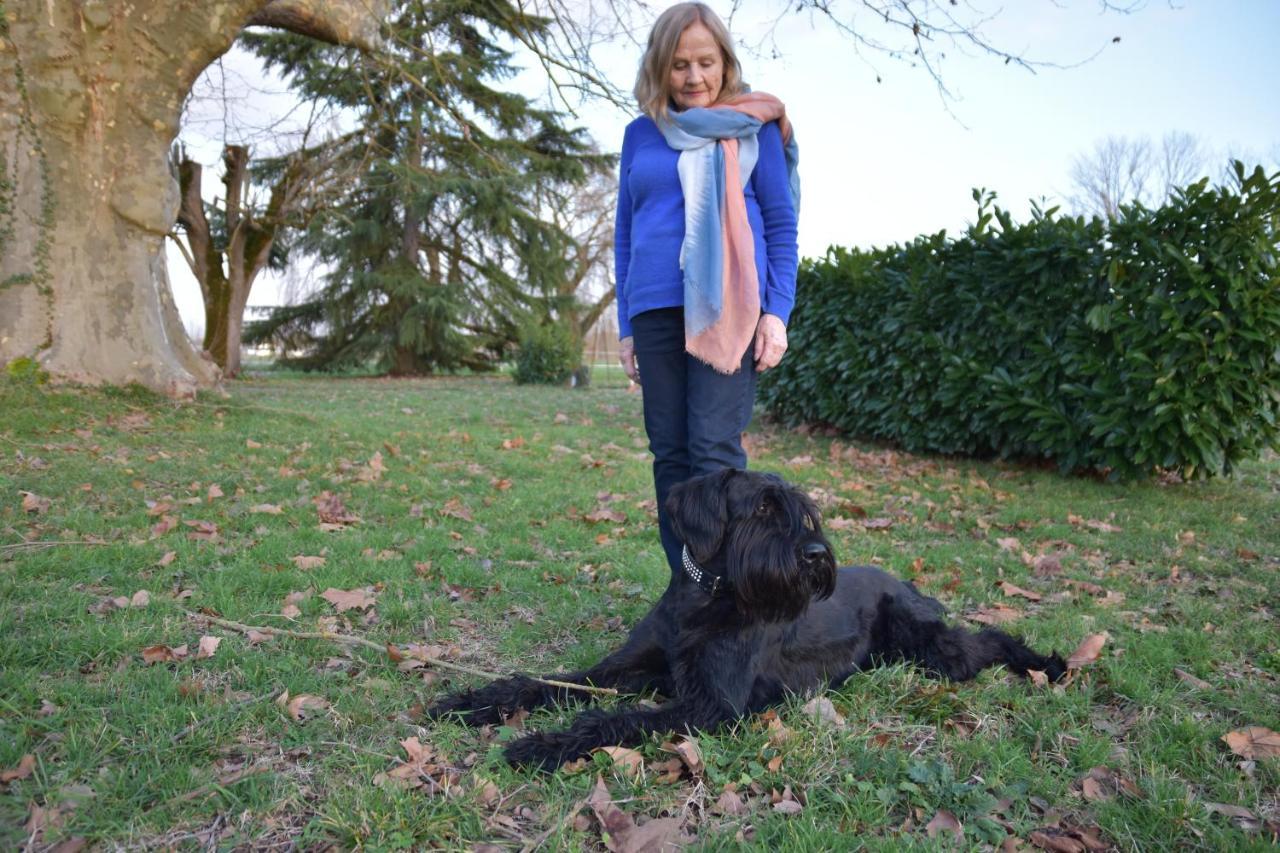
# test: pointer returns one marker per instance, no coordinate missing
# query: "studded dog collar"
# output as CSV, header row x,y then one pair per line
x,y
711,584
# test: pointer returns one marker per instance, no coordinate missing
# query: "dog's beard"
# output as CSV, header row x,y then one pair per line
x,y
770,580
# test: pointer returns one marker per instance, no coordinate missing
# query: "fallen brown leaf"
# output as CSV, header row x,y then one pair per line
x,y
1103,783
332,511
729,803
995,614
31,502
627,761
306,563
1197,683
208,647
1089,650
1254,742
605,514
821,709
691,754
1011,590
619,830
26,764
944,821
299,706
351,599
454,508
163,654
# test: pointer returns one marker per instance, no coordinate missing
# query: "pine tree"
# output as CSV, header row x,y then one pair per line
x,y
439,251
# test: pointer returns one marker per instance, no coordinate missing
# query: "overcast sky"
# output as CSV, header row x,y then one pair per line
x,y
883,162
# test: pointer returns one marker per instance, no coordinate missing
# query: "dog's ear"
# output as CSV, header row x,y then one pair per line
x,y
699,512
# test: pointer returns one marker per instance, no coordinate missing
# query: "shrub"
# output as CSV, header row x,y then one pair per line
x,y
1149,342
549,354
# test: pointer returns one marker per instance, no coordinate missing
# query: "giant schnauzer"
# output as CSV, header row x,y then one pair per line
x,y
762,611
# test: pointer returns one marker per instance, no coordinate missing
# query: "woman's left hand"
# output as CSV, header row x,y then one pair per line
x,y
771,342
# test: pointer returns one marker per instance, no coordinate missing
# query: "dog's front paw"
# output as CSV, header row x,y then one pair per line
x,y
468,708
544,752
1055,667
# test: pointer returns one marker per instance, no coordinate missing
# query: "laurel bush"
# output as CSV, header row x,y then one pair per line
x,y
1148,342
549,354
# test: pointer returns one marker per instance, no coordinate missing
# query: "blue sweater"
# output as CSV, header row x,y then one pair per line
x,y
650,225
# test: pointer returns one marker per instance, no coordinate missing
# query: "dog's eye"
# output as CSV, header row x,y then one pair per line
x,y
763,508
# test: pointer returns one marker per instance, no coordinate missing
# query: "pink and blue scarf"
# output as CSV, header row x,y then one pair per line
x,y
718,149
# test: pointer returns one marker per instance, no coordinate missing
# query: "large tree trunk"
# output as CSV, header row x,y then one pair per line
x,y
90,97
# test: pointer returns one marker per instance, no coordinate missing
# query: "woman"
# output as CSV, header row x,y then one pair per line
x,y
705,248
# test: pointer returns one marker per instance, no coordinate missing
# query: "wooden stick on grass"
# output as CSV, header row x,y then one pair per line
x,y
361,641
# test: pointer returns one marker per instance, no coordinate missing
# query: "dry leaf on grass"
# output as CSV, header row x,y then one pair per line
x,y
995,614
163,654
1254,742
208,647
454,508
729,803
306,563
141,598
1103,783
1197,683
31,502
1089,650
302,707
821,709
1011,590
944,822
26,764
691,754
373,471
619,830
605,514
626,761
349,599
267,509
332,512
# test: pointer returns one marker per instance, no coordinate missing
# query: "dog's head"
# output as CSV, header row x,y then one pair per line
x,y
761,534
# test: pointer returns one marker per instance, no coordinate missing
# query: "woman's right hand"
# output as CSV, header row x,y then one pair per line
x,y
627,355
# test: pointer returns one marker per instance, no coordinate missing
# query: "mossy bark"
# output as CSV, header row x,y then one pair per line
x,y
90,97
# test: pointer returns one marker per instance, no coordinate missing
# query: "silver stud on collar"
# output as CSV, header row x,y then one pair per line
x,y
696,572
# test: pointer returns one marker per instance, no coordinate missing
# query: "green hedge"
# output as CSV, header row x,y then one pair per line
x,y
1151,342
549,354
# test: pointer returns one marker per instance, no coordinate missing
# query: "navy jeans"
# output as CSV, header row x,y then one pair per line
x,y
694,416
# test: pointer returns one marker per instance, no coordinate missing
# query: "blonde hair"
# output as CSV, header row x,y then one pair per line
x,y
653,92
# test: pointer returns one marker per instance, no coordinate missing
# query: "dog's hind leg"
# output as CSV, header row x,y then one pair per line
x,y
955,653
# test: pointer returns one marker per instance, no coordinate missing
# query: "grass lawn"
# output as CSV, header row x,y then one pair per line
x,y
504,528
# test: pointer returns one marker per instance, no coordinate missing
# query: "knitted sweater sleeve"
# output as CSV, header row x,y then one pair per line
x,y
622,237
773,192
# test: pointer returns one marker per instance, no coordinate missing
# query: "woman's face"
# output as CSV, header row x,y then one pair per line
x,y
697,69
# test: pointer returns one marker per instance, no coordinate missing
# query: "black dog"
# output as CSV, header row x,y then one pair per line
x,y
762,611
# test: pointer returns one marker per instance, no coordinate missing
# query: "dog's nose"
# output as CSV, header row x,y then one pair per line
x,y
813,551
